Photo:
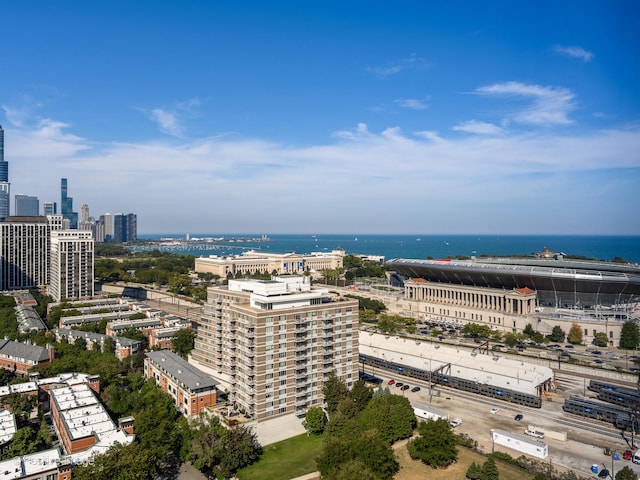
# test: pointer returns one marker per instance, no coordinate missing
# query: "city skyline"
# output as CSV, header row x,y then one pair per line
x,y
329,118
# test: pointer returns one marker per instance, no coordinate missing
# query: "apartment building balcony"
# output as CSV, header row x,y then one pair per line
x,y
301,373
301,346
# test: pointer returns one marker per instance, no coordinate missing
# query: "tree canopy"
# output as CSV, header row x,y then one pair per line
x,y
436,444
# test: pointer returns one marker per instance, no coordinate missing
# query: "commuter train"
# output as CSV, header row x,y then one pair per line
x,y
619,417
436,378
623,396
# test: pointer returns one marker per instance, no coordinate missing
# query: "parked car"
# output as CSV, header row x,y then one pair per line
x,y
415,389
392,381
518,417
493,411
399,384
405,387
456,422
534,433
627,455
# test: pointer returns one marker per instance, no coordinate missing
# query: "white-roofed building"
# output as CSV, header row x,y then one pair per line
x,y
84,426
8,427
448,361
45,465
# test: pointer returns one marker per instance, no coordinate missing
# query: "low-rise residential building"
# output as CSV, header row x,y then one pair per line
x,y
19,357
123,347
45,465
8,428
192,390
83,424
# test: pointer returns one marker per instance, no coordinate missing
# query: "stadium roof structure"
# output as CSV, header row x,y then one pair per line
x,y
552,279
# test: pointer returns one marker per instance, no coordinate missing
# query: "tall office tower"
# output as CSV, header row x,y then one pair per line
x,y
5,186
84,212
24,252
49,208
98,230
108,226
72,266
27,206
66,205
272,344
125,227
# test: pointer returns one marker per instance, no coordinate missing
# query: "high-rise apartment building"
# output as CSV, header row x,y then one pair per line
x,y
125,227
84,212
272,344
66,205
27,206
107,218
24,251
72,257
49,208
5,186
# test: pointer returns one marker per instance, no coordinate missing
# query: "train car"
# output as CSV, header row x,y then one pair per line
x,y
619,395
436,378
585,407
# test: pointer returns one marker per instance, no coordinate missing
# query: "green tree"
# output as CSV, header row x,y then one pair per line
x,y
353,469
601,339
474,472
490,470
21,405
240,448
334,390
528,330
315,420
24,442
360,395
630,334
391,415
575,334
182,341
626,474
557,334
108,346
436,444
376,454
206,443
120,461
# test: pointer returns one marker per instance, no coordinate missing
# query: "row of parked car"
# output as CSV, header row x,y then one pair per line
x,y
404,386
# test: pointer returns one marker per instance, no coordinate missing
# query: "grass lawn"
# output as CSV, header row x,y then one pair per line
x,y
415,470
284,460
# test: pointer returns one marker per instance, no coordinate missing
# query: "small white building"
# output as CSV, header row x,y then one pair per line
x,y
520,443
429,413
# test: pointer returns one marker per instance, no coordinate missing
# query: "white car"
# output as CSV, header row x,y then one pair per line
x,y
456,422
534,433
493,411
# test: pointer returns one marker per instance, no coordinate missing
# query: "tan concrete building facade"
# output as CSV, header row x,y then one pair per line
x,y
281,263
503,310
272,344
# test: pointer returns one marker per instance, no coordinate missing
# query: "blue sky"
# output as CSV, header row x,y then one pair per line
x,y
329,117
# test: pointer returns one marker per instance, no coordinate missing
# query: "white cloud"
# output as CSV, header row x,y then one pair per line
x,y
412,103
360,181
412,61
170,119
576,52
167,121
548,105
482,128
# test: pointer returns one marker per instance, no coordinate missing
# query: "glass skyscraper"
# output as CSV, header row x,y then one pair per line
x,y
66,205
4,180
